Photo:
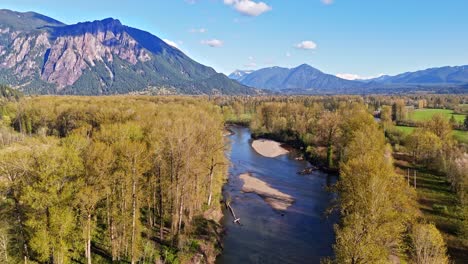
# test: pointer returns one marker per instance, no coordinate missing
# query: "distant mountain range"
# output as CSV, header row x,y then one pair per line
x,y
302,79
442,75
40,55
305,79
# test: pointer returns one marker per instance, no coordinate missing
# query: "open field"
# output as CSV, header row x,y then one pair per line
x,y
438,203
459,135
426,114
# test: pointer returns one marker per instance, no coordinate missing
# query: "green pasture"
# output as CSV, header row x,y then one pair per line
x,y
461,136
426,114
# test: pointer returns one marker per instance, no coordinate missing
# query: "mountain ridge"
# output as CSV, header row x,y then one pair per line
x,y
305,79
99,57
433,75
301,79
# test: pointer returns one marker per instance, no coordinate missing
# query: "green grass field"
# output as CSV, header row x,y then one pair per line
x,y
406,130
461,136
426,114
439,205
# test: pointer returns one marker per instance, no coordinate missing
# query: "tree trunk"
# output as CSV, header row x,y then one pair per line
x,y
330,155
161,210
88,240
19,218
123,235
51,257
134,182
211,183
181,210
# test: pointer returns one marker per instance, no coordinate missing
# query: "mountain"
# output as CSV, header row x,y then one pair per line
x,y
433,76
302,79
305,79
239,74
40,55
25,21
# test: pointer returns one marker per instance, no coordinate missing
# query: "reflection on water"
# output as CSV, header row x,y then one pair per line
x,y
302,234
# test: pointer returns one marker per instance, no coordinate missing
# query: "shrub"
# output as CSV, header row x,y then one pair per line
x,y
440,209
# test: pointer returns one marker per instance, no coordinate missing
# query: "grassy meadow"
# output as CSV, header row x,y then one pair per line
x,y
426,114
438,203
461,136
422,115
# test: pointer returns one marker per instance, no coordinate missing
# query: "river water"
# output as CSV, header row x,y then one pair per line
x,y
301,234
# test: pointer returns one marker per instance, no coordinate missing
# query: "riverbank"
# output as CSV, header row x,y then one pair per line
x,y
203,239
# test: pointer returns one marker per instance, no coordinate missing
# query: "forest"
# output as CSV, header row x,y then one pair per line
x,y
138,179
121,179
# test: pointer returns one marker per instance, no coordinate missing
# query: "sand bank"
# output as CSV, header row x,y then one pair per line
x,y
275,198
268,148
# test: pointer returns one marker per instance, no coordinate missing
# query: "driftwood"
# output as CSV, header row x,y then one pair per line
x,y
236,220
308,170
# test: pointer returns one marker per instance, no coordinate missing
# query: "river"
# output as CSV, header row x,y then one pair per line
x,y
301,234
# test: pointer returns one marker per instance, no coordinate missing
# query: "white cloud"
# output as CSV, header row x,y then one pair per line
x,y
307,45
351,76
250,65
249,7
171,43
214,43
288,54
198,30
327,2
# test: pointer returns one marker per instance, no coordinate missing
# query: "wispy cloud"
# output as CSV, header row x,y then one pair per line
x,y
198,30
306,45
251,63
327,2
214,43
249,7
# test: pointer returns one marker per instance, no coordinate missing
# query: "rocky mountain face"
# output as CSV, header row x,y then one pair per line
x,y
41,55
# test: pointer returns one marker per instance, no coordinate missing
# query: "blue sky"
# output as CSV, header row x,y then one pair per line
x,y
361,37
